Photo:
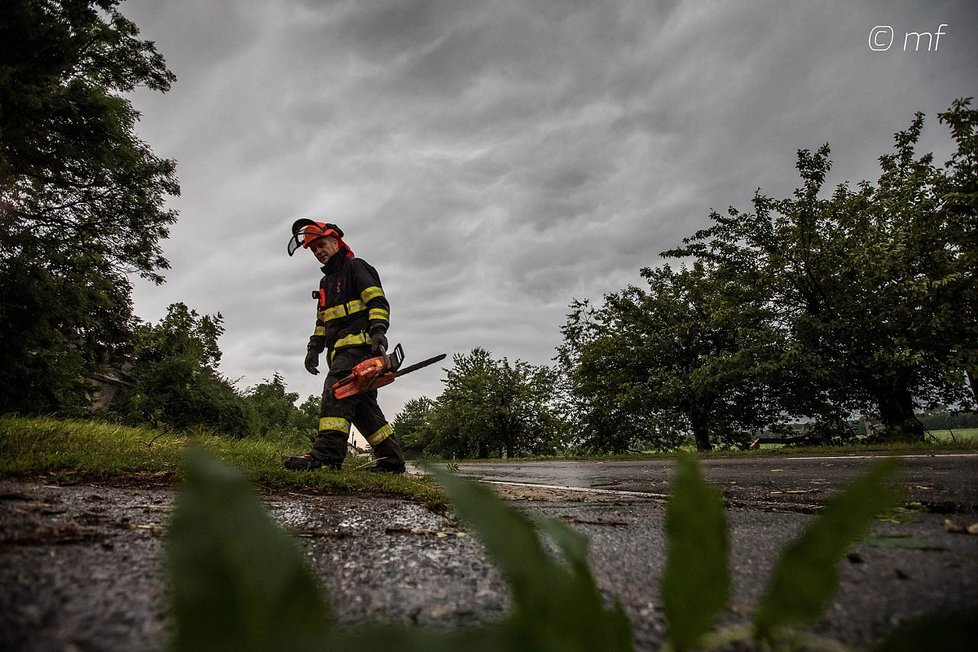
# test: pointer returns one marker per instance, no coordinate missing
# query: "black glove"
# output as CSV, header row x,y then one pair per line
x,y
312,361
378,341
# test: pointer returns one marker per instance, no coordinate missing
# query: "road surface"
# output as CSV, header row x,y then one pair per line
x,y
945,483
81,566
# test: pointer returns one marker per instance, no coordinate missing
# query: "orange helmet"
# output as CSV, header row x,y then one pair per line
x,y
306,231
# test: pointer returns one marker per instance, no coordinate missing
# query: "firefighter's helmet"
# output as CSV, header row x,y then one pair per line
x,y
306,231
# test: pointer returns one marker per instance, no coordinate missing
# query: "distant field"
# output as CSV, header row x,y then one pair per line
x,y
961,434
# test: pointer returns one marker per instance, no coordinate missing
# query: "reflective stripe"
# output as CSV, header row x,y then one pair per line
x,y
383,433
371,293
352,340
320,331
379,313
338,312
334,423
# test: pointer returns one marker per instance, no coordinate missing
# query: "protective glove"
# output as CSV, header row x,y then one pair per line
x,y
312,361
378,341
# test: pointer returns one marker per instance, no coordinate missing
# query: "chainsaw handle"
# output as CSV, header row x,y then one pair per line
x,y
395,358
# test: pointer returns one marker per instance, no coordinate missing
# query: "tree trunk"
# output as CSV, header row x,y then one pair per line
x,y
701,433
897,415
973,381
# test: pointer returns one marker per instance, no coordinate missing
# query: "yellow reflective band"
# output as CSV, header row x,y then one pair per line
x,y
379,313
332,313
320,330
352,340
371,293
383,433
338,312
334,423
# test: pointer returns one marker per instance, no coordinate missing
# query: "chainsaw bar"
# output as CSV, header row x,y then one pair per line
x,y
419,365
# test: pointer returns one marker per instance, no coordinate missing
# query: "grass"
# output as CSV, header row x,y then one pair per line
x,y
960,440
68,449
962,436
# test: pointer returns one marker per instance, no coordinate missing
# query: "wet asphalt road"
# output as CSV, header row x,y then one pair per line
x,y
944,483
81,566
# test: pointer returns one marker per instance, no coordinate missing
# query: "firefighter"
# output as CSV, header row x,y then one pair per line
x,y
352,317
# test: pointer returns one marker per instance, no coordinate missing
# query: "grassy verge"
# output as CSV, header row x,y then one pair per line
x,y
963,440
104,450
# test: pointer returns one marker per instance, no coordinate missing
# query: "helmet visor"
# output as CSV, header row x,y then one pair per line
x,y
305,232
299,240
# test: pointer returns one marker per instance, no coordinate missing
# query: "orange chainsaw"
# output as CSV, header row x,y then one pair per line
x,y
377,372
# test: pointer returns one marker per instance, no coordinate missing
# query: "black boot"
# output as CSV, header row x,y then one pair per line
x,y
307,462
389,457
383,468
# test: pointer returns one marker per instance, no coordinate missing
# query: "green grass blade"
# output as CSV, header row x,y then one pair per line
x,y
806,576
555,607
696,579
237,581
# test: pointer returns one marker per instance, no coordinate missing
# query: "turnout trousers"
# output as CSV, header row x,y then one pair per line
x,y
362,411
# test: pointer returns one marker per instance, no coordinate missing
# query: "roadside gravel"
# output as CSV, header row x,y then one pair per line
x,y
81,565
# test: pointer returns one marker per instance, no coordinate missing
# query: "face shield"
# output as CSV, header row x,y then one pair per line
x,y
305,232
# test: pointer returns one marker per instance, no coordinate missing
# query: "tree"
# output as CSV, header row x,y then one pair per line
x,y
275,412
179,387
866,286
493,408
411,425
58,323
960,209
676,358
81,197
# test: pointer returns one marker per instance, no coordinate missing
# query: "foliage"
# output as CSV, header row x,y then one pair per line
x,y
810,307
556,604
683,355
175,364
73,174
488,408
410,424
805,577
960,210
696,580
596,415
59,323
275,414
223,602
866,285
81,197
947,420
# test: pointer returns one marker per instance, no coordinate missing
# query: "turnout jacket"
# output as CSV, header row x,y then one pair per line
x,y
350,305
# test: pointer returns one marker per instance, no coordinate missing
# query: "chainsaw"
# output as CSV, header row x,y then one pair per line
x,y
377,372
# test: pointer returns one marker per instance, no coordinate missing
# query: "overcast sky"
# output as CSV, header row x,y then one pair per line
x,y
495,159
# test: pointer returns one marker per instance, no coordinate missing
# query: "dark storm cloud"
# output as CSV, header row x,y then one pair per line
x,y
496,159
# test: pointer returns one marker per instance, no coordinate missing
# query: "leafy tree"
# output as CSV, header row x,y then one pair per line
x,y
81,197
411,425
493,408
866,286
58,323
309,409
175,364
676,358
960,210
593,416
275,412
